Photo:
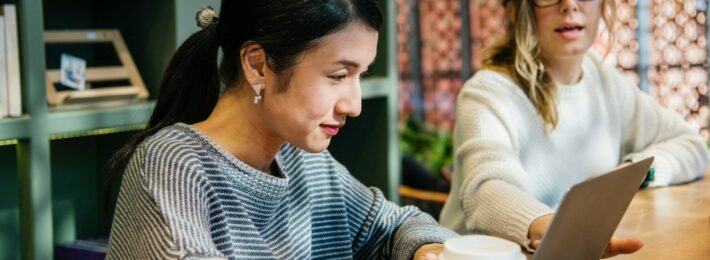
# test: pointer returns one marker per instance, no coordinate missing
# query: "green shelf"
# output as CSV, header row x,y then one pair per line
x,y
83,122
130,117
14,128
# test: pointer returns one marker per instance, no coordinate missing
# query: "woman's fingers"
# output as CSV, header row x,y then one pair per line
x,y
431,256
536,243
622,246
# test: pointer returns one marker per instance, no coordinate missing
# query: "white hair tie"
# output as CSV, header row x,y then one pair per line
x,y
206,17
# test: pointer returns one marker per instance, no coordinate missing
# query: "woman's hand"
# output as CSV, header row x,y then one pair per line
x,y
622,246
538,228
615,246
428,252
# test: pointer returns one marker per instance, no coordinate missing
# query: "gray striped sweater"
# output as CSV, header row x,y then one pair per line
x,y
183,197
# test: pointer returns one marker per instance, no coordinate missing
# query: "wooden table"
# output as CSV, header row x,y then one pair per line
x,y
673,222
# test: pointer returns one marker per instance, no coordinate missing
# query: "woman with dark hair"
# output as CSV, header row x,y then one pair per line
x,y
545,114
233,162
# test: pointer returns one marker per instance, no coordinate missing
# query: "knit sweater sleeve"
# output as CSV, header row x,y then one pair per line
x,y
160,212
493,191
382,230
649,129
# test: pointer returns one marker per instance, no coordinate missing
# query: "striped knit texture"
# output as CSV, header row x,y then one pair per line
x,y
508,171
183,197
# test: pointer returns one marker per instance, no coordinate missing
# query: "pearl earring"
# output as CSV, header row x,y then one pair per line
x,y
257,89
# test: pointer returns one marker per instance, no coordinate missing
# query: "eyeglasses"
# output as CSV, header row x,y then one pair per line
x,y
548,3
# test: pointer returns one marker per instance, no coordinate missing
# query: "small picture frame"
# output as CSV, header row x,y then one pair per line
x,y
73,72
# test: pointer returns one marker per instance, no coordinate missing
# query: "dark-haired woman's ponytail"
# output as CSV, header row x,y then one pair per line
x,y
188,92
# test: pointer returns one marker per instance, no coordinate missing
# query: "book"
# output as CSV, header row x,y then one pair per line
x,y
3,71
12,65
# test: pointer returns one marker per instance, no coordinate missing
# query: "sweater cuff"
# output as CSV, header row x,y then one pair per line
x,y
661,168
662,172
415,233
508,212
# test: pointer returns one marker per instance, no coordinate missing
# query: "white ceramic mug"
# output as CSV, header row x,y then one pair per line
x,y
480,247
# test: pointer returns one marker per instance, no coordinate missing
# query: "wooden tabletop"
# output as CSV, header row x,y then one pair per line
x,y
673,222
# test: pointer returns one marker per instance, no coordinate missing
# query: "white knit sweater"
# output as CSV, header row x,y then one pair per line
x,y
508,172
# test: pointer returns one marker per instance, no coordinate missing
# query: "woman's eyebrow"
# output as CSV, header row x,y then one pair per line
x,y
349,63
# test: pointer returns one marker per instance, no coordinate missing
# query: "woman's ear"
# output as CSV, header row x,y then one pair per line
x,y
253,59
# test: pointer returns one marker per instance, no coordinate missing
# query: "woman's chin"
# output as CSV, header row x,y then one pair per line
x,y
568,50
576,49
315,147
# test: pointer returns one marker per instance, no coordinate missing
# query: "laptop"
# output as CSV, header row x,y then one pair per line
x,y
590,212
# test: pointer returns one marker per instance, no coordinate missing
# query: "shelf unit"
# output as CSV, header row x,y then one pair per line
x,y
80,121
51,159
14,128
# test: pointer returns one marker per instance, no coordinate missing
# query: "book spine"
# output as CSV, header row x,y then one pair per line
x,y
12,54
3,71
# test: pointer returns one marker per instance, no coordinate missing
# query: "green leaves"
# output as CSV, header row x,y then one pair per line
x,y
430,146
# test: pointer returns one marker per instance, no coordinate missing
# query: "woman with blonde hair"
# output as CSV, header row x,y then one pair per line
x,y
544,114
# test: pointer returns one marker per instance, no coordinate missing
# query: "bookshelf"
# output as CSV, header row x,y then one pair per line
x,y
14,128
51,159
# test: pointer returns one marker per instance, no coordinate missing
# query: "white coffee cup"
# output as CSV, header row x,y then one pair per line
x,y
480,247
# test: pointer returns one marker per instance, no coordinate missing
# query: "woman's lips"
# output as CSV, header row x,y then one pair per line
x,y
331,130
570,32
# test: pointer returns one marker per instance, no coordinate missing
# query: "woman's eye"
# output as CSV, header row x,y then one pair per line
x,y
339,77
364,74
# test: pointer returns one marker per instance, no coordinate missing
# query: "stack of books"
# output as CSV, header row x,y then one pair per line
x,y
10,97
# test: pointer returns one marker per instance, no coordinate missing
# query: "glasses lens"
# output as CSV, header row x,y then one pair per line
x,y
543,3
